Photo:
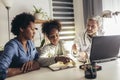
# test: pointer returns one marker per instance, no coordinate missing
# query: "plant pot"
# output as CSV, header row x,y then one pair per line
x,y
38,16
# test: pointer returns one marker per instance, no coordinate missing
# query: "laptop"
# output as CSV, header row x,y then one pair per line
x,y
105,48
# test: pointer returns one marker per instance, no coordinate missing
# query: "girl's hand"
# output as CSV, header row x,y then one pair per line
x,y
62,59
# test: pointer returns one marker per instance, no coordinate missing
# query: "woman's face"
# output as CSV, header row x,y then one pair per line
x,y
92,27
29,32
54,36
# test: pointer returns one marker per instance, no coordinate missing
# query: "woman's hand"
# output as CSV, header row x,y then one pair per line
x,y
62,59
27,66
30,66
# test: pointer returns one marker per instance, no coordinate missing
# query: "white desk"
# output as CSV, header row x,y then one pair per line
x,y
110,71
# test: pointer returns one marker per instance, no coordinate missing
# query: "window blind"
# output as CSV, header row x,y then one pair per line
x,y
64,12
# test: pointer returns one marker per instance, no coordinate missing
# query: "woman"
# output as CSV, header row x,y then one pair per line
x,y
51,53
20,54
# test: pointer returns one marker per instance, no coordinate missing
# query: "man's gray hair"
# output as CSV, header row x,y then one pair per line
x,y
99,21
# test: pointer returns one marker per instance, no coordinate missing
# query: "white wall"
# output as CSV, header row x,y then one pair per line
x,y
112,25
20,6
79,18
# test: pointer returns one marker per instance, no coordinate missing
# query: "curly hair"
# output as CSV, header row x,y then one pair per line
x,y
49,25
21,21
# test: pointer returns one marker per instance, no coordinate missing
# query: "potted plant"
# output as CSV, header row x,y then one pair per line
x,y
39,13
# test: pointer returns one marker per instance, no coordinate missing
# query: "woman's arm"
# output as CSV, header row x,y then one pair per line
x,y
13,72
16,71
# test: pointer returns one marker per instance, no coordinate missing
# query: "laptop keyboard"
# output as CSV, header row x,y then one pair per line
x,y
106,60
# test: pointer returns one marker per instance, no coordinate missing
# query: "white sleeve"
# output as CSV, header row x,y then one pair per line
x,y
64,48
44,58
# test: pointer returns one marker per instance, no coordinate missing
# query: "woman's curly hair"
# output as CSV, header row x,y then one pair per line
x,y
21,21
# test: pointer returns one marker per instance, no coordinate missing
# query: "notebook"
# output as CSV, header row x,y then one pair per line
x,y
61,66
104,48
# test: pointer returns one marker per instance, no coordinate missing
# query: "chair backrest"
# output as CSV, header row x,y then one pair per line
x,y
1,52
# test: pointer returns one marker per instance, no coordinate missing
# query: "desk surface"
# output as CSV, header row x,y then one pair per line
x,y
110,71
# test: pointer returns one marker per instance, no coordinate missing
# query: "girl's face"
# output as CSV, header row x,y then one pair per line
x,y
29,32
54,36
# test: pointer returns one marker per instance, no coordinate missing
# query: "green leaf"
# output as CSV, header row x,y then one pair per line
x,y
42,43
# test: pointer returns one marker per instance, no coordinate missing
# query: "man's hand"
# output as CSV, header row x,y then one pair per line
x,y
74,48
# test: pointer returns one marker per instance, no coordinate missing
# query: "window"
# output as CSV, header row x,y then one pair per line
x,y
64,12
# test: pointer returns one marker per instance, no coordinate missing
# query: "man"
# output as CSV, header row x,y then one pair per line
x,y
82,43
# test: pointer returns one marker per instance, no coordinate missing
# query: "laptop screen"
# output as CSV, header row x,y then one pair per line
x,y
104,48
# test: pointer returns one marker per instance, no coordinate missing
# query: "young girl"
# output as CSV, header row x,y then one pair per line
x,y
51,52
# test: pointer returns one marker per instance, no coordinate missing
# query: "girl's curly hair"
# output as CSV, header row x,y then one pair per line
x,y
49,25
